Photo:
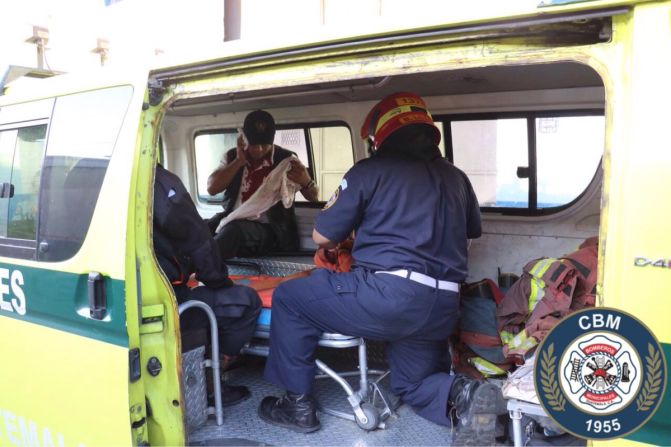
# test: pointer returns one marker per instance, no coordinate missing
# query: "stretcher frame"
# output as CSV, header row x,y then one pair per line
x,y
370,405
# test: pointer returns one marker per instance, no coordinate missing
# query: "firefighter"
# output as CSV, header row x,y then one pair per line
x,y
183,245
412,212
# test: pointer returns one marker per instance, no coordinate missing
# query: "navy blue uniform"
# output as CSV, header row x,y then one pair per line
x,y
407,214
183,245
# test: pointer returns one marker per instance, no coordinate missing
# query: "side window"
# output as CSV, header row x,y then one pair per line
x,y
21,152
559,141
333,155
82,135
210,148
531,163
326,150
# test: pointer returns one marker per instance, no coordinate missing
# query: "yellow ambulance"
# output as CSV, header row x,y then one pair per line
x,y
557,111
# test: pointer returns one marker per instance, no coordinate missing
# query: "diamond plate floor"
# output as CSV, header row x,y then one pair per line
x,y
243,427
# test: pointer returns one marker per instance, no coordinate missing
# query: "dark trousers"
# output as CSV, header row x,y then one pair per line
x,y
236,308
415,319
246,238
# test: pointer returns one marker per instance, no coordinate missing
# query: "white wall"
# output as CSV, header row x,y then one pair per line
x,y
139,32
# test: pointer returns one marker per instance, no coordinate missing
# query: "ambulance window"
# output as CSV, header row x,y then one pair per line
x,y
527,163
326,150
567,151
83,133
21,152
333,155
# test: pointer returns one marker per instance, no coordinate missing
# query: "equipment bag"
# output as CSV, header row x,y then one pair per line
x,y
477,350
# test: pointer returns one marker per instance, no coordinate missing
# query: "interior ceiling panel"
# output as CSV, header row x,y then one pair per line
x,y
453,82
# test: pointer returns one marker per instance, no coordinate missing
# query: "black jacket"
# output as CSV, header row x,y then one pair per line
x,y
182,240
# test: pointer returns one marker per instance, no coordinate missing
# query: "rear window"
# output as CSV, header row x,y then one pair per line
x,y
325,149
526,163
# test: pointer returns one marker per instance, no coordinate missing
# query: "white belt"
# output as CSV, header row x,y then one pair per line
x,y
424,279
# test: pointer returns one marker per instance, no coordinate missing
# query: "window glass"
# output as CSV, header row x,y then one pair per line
x,y
567,151
210,149
294,140
7,145
83,134
333,155
328,155
26,170
489,152
21,152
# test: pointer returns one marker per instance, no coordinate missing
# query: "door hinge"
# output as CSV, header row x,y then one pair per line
x,y
138,424
156,92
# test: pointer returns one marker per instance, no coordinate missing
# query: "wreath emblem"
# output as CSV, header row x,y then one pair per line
x,y
653,380
600,373
552,393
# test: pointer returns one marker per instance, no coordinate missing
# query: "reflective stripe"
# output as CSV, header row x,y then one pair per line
x,y
506,337
537,284
485,367
425,279
518,341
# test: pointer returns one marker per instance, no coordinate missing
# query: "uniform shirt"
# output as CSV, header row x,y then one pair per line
x,y
407,214
182,240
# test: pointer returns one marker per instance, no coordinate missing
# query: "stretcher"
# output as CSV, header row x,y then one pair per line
x,y
370,404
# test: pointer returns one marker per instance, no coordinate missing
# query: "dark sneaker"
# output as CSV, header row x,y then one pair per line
x,y
230,395
296,412
475,406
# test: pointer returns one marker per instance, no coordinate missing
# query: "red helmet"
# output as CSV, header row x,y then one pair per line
x,y
393,112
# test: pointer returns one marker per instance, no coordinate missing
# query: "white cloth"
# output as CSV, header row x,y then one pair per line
x,y
520,384
274,188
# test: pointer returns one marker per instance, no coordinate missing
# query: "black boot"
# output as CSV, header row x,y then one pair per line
x,y
296,412
230,395
475,406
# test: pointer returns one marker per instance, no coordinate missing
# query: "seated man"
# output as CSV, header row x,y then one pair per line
x,y
183,245
242,171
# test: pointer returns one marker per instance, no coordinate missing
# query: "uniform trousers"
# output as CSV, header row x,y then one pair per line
x,y
413,318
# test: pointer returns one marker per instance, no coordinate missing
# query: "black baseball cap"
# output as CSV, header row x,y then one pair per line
x,y
259,127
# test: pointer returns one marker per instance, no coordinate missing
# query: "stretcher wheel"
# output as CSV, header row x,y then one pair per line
x,y
373,416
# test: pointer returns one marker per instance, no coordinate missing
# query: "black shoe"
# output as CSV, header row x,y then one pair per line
x,y
230,395
296,412
475,405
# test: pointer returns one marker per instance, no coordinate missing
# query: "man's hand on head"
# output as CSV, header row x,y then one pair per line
x,y
241,147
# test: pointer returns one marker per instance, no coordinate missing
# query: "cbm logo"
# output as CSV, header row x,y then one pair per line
x,y
600,373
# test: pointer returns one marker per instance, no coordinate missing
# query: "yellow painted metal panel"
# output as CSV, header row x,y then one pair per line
x,y
61,389
636,214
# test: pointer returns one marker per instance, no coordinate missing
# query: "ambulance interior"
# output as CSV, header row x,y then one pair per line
x,y
530,138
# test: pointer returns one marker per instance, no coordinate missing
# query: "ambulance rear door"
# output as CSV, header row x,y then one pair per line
x,y
69,354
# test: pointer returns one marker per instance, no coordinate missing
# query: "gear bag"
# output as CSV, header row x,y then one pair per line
x,y
477,350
